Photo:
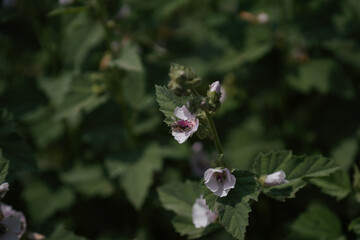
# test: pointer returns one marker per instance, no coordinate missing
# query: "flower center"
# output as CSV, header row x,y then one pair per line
x,y
220,177
182,125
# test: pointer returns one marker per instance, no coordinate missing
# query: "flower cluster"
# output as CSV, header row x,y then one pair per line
x,y
186,121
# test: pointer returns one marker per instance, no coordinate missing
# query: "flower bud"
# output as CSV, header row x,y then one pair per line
x,y
274,179
214,96
182,79
215,87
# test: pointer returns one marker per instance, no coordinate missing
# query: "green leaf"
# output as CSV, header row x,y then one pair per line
x,y
79,99
314,75
184,226
179,198
168,102
67,10
354,226
43,202
61,233
4,168
246,141
56,88
89,180
43,127
81,35
128,59
296,168
318,222
337,184
138,178
235,218
14,148
344,154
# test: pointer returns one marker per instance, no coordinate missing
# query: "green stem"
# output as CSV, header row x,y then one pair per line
x,y
214,132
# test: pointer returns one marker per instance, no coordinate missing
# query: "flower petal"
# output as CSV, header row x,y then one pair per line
x,y
181,137
230,180
208,173
212,184
179,113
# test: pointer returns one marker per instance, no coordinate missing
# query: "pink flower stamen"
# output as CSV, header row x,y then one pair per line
x,y
182,125
220,177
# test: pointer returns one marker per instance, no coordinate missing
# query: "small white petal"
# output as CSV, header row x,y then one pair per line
x,y
209,173
179,113
230,180
213,185
181,137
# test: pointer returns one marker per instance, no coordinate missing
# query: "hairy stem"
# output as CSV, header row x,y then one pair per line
x,y
214,132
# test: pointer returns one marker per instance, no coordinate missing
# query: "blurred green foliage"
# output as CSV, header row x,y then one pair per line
x,y
84,142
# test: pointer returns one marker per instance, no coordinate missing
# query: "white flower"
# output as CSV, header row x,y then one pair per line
x,y
4,188
187,124
219,181
275,178
12,224
202,216
263,18
215,87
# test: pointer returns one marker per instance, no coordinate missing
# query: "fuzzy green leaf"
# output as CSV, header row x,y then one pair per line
x,y
337,184
14,148
179,198
318,222
355,226
61,233
168,102
129,59
139,177
234,209
43,202
184,226
89,180
296,168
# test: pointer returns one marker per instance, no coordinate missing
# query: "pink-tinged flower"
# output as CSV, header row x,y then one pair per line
x,y
4,188
219,181
12,223
202,216
275,178
185,126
